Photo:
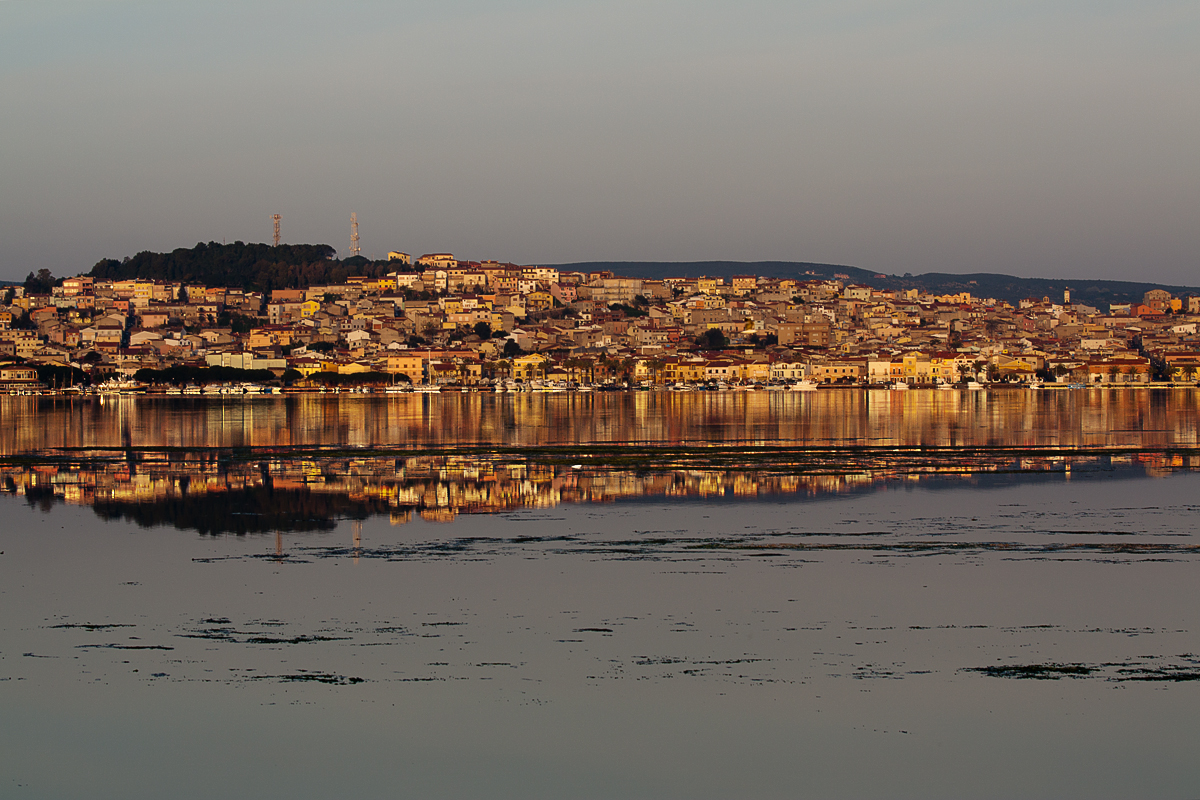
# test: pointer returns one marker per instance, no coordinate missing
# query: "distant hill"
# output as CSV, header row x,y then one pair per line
x,y
248,266
981,284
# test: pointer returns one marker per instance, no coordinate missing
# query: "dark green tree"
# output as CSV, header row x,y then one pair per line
x,y
41,283
238,323
712,339
57,376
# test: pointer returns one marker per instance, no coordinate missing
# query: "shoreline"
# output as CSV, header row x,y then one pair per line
x,y
238,392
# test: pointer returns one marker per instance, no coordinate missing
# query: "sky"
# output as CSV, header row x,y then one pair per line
x,y
1043,139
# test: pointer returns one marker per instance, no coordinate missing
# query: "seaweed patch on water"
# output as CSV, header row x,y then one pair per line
x,y
292,640
1043,672
702,551
310,677
872,671
1173,669
125,646
1172,674
220,630
927,547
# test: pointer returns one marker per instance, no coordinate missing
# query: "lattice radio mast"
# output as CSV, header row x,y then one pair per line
x,y
275,218
355,248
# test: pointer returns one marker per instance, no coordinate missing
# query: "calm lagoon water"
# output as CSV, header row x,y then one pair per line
x,y
236,619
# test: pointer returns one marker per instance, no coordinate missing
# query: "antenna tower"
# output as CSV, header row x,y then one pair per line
x,y
355,248
275,218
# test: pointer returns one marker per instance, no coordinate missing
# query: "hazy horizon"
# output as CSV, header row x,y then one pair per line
x,y
1029,139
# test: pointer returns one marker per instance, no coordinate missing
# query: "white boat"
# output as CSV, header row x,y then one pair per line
x,y
121,387
900,386
974,385
803,386
945,386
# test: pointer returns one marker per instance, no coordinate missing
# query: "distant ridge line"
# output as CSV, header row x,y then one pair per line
x,y
1099,293
262,267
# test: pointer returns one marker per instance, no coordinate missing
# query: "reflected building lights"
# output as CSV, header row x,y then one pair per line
x,y
200,491
299,463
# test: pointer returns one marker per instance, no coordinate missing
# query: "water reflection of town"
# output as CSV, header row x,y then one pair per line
x,y
213,495
1083,418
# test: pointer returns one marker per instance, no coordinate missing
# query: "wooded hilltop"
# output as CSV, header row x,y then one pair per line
x,y
258,267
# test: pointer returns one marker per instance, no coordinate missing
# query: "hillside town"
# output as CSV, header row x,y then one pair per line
x,y
436,323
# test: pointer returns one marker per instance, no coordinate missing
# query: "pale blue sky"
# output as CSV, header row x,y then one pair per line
x,y
1037,138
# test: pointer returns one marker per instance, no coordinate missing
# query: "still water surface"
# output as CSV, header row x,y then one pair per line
x,y
1082,418
430,620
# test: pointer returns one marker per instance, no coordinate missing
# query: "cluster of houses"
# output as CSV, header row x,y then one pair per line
x,y
439,321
